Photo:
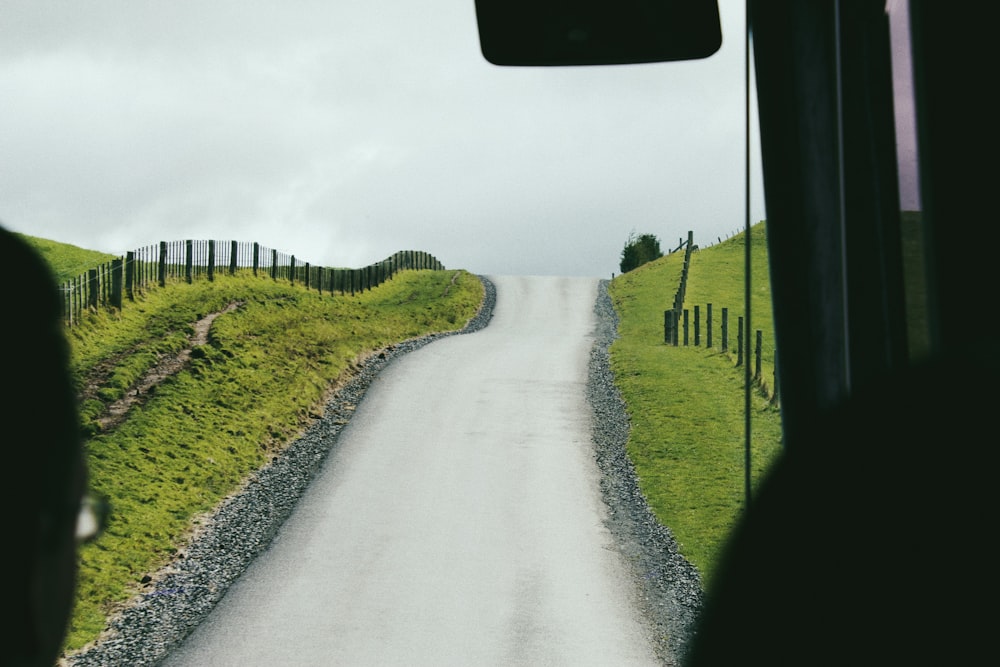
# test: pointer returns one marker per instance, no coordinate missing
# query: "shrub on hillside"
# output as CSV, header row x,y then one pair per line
x,y
639,250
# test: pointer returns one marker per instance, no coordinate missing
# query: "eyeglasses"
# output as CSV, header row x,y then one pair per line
x,y
92,518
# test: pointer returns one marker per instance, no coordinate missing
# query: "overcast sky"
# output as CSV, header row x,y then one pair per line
x,y
342,131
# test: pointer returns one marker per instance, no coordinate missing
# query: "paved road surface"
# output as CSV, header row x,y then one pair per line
x,y
459,522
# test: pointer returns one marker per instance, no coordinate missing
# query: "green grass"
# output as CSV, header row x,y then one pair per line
x,y
262,376
716,277
268,366
66,261
686,404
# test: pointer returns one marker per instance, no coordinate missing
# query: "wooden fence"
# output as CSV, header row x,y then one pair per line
x,y
113,284
678,327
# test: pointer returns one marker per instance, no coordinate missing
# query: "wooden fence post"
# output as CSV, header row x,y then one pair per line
x,y
708,326
725,329
668,326
774,394
274,264
117,269
189,261
130,275
697,326
211,260
685,327
256,258
739,344
234,249
758,350
93,287
163,264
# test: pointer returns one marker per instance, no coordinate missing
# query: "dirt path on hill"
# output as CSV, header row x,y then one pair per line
x,y
168,365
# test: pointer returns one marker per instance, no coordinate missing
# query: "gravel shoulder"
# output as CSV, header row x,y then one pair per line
x,y
670,586
181,595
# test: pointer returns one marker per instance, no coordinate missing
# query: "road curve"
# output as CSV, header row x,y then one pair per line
x,y
459,520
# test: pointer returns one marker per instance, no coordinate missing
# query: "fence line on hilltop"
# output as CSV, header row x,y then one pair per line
x,y
113,284
678,324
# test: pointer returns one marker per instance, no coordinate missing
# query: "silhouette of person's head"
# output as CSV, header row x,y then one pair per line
x,y
45,473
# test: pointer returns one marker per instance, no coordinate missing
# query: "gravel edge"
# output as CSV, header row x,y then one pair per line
x,y
181,595
669,585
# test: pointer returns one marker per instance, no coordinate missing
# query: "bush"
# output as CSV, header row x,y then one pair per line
x,y
639,250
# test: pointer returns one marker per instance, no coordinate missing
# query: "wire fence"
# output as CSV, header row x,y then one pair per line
x,y
115,283
678,326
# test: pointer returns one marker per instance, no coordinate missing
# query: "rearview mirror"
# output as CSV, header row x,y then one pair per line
x,y
597,32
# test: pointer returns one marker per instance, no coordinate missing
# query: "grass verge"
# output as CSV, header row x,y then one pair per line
x,y
686,403
264,373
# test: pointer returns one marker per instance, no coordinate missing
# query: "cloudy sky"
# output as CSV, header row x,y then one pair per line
x,y
342,131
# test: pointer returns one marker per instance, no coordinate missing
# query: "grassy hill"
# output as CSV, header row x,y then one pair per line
x,y
686,403
275,350
272,354
66,261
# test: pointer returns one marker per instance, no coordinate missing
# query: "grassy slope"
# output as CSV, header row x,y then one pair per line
x,y
262,376
67,261
686,404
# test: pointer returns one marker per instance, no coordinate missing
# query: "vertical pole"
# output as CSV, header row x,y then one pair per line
x,y
758,350
93,287
211,260
708,326
234,249
697,326
725,329
739,344
163,264
116,282
189,261
685,327
130,275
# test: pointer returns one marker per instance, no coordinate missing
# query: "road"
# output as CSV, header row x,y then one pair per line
x,y
458,522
